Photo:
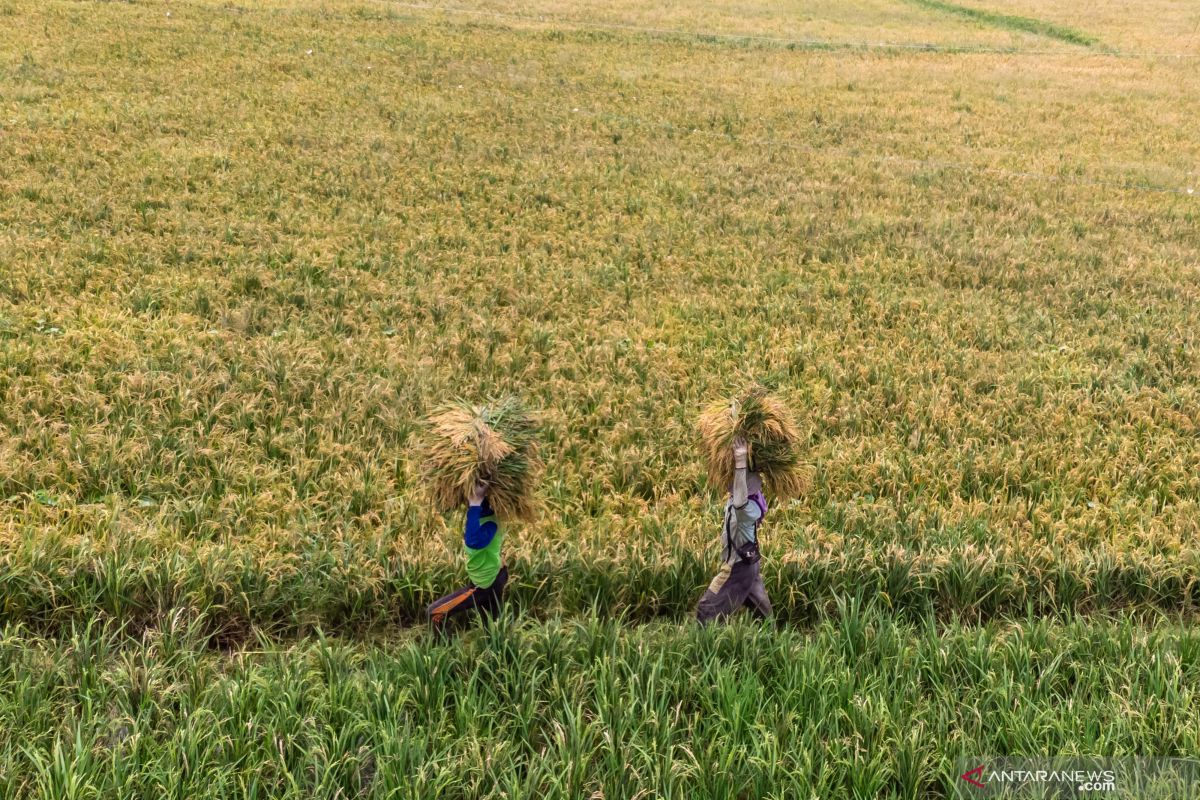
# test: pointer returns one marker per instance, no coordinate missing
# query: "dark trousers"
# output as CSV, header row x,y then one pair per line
x,y
469,598
732,588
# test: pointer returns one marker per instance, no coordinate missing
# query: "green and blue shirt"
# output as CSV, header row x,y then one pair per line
x,y
482,538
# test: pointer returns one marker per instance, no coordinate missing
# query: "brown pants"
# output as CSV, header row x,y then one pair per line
x,y
732,588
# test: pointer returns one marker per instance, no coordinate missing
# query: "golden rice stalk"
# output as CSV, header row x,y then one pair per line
x,y
770,432
495,443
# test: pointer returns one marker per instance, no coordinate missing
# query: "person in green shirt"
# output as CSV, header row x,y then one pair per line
x,y
485,568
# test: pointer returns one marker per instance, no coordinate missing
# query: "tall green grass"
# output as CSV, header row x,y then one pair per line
x,y
861,707
372,585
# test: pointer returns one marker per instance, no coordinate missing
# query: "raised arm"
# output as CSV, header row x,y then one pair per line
x,y
477,535
741,494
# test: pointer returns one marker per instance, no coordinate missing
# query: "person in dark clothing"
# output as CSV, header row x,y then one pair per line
x,y
738,582
485,568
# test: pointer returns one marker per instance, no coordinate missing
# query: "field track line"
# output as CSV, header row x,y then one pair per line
x,y
816,44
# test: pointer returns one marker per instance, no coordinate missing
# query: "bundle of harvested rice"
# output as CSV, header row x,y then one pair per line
x,y
771,434
494,443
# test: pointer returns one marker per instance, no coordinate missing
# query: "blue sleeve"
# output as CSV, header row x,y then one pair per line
x,y
478,536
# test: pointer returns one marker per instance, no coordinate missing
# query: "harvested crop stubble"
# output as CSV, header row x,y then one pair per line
x,y
493,443
766,424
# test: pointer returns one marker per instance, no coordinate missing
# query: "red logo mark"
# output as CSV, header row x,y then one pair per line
x,y
966,776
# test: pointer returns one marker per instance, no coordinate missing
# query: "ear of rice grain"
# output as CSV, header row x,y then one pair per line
x,y
770,432
494,442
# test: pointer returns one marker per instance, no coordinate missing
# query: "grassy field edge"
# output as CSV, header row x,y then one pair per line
x,y
863,705
49,584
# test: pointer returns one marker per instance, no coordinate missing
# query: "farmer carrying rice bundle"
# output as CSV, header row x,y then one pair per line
x,y
484,455
746,441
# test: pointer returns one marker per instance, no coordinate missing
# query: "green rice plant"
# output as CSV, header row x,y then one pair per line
x,y
493,443
770,431
858,705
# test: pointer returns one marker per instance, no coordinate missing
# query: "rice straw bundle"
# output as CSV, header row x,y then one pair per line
x,y
771,434
494,443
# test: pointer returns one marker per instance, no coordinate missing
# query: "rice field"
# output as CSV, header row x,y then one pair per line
x,y
246,249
